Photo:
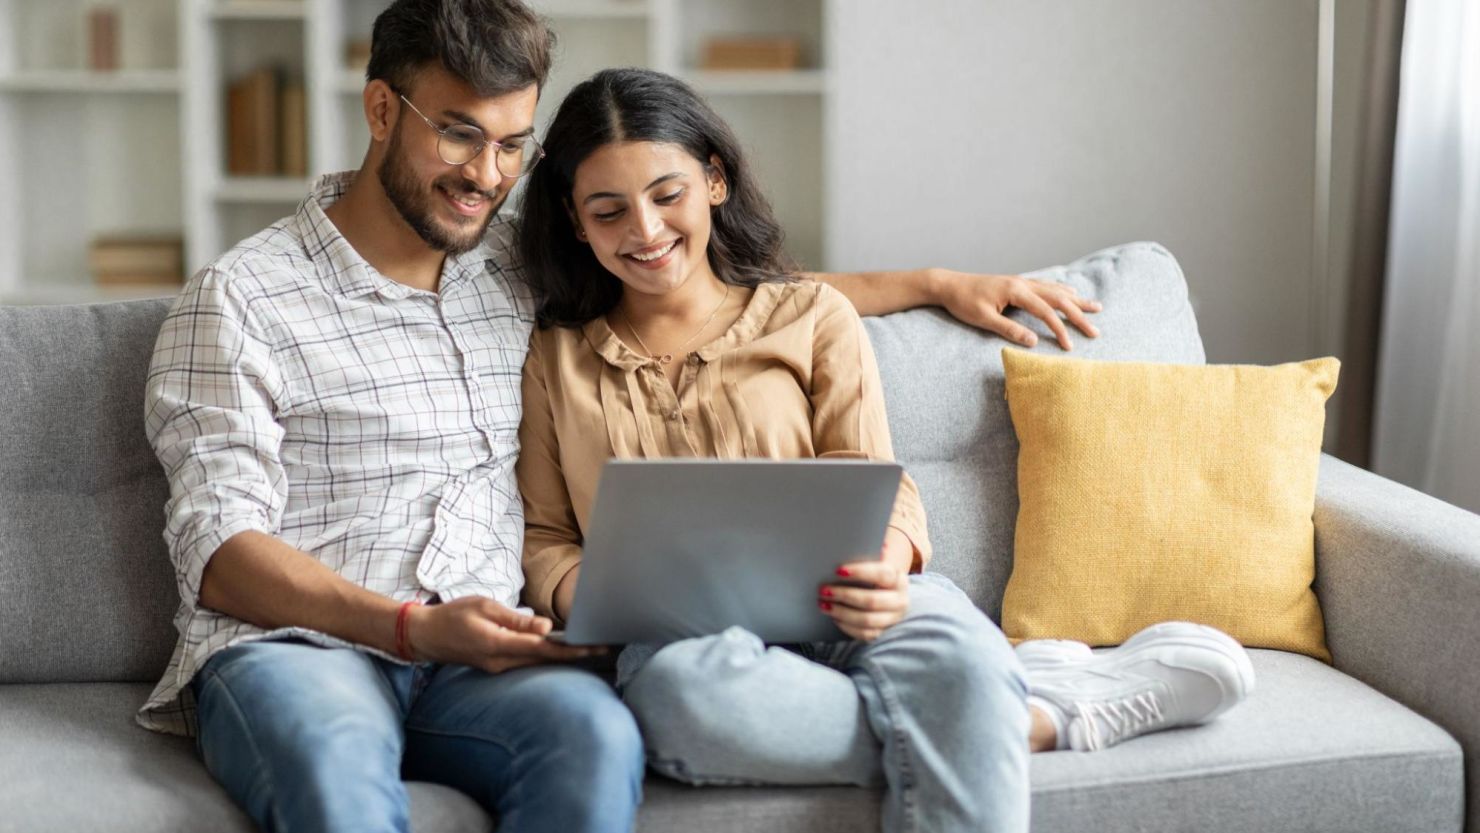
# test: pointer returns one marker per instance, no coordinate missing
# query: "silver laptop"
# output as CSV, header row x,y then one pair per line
x,y
683,548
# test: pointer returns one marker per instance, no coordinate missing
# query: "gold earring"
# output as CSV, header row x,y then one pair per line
x,y
580,233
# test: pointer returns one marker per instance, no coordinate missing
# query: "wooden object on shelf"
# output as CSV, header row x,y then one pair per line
x,y
357,54
135,260
733,52
102,38
293,121
252,125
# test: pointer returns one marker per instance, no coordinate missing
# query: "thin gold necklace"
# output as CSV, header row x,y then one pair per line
x,y
667,358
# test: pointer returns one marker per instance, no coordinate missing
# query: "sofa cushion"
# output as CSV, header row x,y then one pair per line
x,y
85,581
943,382
1311,750
1154,492
72,758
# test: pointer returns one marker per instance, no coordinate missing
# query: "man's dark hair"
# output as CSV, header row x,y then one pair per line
x,y
637,105
497,46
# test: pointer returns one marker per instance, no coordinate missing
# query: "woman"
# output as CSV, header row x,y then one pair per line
x,y
672,325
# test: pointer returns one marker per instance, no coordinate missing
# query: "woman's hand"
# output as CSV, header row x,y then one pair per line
x,y
877,594
565,593
980,300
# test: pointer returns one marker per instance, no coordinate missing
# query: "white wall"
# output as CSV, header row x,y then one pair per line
x,y
1003,136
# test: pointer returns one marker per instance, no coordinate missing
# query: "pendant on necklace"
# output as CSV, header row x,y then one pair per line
x,y
666,358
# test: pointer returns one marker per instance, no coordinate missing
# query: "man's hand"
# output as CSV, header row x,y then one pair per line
x,y
877,594
981,301
482,633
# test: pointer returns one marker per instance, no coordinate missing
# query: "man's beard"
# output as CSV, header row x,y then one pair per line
x,y
413,203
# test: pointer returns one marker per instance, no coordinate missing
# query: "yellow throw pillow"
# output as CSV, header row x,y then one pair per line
x,y
1152,492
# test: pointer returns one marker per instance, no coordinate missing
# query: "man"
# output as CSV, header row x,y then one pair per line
x,y
336,403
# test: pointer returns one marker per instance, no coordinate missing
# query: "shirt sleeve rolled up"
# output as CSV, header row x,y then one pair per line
x,y
210,401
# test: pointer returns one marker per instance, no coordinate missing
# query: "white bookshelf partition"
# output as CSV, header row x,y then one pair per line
x,y
779,115
84,153
142,149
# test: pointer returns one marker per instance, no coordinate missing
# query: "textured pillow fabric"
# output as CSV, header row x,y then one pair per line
x,y
1151,492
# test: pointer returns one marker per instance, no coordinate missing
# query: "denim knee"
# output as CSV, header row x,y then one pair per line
x,y
594,732
691,674
957,648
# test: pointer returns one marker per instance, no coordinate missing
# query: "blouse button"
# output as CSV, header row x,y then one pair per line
x,y
694,359
675,415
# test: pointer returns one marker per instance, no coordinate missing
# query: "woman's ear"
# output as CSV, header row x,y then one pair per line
x,y
574,222
719,188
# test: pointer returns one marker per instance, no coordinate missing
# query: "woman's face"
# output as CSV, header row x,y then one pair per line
x,y
644,208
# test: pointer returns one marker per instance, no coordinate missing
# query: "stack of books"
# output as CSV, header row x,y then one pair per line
x,y
266,126
137,260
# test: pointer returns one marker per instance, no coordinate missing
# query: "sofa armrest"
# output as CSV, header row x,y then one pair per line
x,y
1398,576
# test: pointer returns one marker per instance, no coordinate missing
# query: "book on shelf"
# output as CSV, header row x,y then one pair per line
x,y
102,38
293,121
252,124
134,260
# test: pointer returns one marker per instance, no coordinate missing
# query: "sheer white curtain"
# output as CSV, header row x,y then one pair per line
x,y
1427,422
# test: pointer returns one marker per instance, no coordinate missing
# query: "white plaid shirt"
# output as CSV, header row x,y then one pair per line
x,y
298,392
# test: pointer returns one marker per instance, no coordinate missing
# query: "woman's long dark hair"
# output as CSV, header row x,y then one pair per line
x,y
636,105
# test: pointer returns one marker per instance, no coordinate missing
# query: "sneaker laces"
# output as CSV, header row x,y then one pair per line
x,y
1108,722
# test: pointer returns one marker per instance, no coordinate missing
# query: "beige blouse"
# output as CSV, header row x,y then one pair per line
x,y
793,377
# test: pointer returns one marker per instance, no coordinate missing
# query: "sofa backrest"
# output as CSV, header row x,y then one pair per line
x,y
948,417
86,586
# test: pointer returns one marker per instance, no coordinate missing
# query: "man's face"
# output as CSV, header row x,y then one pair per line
x,y
450,206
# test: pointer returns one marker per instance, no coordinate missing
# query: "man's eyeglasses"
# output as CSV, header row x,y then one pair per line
x,y
461,144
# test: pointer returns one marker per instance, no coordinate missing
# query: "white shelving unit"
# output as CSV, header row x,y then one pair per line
x,y
141,150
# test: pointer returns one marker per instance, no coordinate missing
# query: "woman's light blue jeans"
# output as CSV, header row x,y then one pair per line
x,y
319,739
935,710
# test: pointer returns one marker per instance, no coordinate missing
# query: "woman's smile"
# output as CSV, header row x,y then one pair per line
x,y
654,257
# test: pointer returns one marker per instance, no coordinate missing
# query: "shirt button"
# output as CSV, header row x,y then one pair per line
x,y
694,359
675,416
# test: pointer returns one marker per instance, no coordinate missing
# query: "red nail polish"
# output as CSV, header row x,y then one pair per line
x,y
825,605
827,592
843,571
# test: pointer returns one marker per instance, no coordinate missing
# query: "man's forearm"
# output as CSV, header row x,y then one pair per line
x,y
262,580
880,293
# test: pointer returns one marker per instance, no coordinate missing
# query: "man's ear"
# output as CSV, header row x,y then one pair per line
x,y
719,187
381,111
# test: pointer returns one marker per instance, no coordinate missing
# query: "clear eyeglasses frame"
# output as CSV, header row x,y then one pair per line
x,y
460,144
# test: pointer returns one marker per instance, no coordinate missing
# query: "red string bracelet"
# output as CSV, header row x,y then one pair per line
x,y
403,636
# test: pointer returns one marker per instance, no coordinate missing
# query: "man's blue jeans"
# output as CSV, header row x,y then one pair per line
x,y
310,738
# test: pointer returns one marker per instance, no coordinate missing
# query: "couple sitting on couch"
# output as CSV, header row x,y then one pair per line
x,y
339,408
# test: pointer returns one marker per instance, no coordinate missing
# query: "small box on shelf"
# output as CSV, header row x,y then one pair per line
x,y
137,260
747,52
357,55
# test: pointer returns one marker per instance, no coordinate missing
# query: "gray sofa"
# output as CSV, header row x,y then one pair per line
x,y
1380,742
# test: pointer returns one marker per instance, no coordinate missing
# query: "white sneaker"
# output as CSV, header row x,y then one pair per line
x,y
1168,675
1045,654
